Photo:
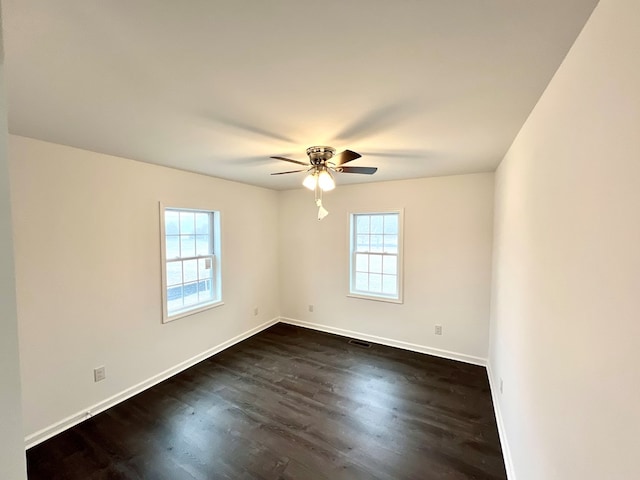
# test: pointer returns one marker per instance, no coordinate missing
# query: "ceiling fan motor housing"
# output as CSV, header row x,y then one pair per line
x,y
319,162
320,155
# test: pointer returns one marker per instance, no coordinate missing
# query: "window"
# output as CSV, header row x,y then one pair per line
x,y
376,256
190,261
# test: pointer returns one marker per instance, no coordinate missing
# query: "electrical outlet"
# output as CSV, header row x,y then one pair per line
x,y
99,374
255,311
501,385
438,329
311,308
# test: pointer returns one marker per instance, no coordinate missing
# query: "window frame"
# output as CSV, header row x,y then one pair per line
x,y
216,253
400,256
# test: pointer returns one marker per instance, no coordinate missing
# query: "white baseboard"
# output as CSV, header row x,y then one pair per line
x,y
462,357
506,451
58,427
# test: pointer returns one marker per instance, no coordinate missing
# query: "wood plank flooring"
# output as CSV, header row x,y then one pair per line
x,y
292,403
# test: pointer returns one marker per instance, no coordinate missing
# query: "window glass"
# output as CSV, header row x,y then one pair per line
x,y
191,272
362,262
391,224
173,246
376,255
389,285
362,282
202,223
375,263
362,243
187,223
391,243
376,243
172,222
390,265
174,273
376,224
190,269
375,282
363,224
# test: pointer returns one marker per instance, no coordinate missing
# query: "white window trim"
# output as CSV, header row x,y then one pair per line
x,y
351,252
217,255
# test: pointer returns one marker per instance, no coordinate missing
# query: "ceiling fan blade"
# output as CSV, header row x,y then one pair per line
x,y
344,157
292,161
290,171
364,170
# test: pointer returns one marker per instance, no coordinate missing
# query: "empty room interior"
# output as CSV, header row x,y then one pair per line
x,y
454,295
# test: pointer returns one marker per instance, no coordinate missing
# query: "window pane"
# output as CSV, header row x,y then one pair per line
x,y
174,273
205,268
391,224
205,290
202,245
376,223
362,262
376,243
172,243
174,298
391,243
362,282
375,282
390,265
191,282
190,268
171,222
390,284
202,223
375,263
362,243
190,293
187,246
375,250
362,223
187,223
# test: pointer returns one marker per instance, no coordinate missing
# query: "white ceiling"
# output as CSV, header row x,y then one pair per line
x,y
420,88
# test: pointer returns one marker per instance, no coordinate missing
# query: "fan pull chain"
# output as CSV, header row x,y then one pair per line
x,y
322,212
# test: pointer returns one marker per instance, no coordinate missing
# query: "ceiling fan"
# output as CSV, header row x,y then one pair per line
x,y
323,161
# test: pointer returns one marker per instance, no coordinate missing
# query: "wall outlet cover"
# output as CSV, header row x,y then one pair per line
x,y
99,374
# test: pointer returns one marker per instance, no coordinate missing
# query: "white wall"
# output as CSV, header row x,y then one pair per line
x,y
87,252
447,267
12,458
565,330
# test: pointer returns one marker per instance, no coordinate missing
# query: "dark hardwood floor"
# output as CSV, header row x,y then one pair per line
x,y
292,403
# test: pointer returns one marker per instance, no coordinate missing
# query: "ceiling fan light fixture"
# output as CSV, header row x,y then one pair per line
x,y
325,181
310,181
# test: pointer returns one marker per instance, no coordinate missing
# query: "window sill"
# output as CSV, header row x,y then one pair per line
x,y
187,313
377,299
